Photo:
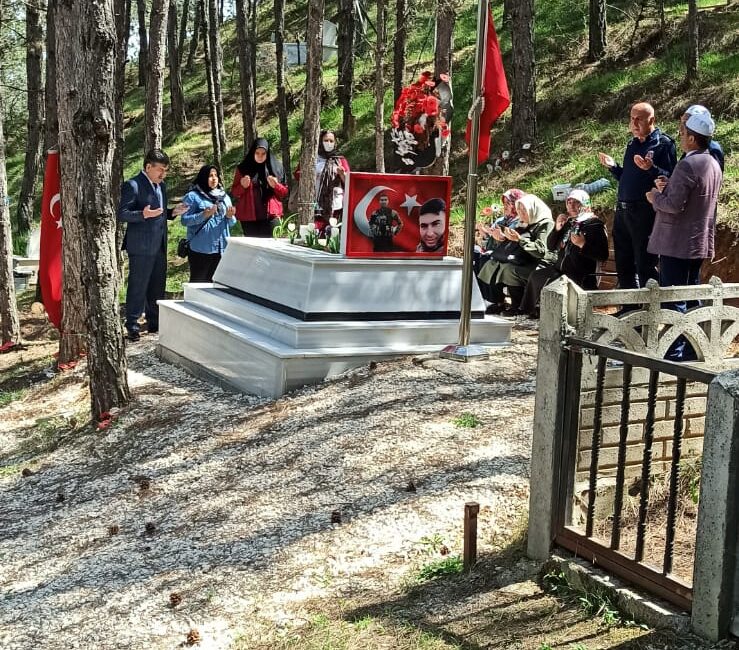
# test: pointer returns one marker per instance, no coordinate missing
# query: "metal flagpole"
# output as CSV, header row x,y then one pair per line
x,y
464,351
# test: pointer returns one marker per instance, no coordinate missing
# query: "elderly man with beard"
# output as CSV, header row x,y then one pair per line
x,y
649,154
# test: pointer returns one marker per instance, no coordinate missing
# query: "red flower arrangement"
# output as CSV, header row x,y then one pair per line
x,y
418,118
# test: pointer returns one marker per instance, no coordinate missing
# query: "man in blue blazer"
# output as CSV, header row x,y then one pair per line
x,y
143,207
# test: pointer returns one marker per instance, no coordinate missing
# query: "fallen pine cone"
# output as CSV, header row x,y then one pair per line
x,y
60,497
411,487
26,472
444,550
114,529
150,527
175,599
193,637
336,517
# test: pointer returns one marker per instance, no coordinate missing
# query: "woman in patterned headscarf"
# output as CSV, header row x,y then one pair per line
x,y
580,241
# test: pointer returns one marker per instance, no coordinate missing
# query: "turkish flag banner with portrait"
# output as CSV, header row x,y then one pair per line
x,y
50,262
396,215
494,92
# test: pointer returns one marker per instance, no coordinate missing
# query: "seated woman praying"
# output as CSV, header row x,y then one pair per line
x,y
492,234
580,241
209,218
513,262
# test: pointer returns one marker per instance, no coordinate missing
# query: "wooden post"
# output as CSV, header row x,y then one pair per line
x,y
471,508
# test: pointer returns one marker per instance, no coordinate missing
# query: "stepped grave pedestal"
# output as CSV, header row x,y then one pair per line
x,y
280,316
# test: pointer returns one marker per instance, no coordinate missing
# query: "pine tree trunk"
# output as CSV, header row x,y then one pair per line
x,y
597,30
35,123
86,66
183,29
10,331
401,36
212,107
693,36
312,114
143,42
445,18
51,137
248,110
155,75
177,98
123,30
523,112
380,88
216,61
281,94
195,38
345,85
252,38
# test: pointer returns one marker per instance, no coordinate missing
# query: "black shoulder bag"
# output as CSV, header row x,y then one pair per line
x,y
183,246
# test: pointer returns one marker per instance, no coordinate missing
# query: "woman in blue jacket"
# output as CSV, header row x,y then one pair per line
x,y
208,219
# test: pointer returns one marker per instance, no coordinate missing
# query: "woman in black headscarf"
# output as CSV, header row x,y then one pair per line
x,y
331,168
208,219
258,189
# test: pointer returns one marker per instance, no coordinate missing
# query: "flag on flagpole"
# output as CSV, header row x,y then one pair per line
x,y
50,259
494,92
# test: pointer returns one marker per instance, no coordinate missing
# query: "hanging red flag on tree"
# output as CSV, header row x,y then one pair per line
x,y
496,97
50,262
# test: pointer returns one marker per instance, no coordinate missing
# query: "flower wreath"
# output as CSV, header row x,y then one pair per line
x,y
419,120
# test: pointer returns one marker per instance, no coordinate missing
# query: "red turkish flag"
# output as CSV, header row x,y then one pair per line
x,y
494,91
50,263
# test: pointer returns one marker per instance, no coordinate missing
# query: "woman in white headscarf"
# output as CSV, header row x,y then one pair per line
x,y
579,240
525,247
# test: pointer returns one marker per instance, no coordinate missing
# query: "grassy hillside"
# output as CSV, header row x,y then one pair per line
x,y
582,108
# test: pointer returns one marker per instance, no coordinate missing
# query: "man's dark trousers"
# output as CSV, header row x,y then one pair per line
x,y
147,275
632,226
675,272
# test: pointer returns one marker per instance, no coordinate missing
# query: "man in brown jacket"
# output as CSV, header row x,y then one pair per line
x,y
685,221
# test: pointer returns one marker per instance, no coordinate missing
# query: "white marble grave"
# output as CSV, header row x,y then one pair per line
x,y
280,316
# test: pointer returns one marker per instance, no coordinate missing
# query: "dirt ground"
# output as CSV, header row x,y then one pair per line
x,y
330,518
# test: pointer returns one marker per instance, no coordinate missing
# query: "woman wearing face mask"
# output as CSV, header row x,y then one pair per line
x,y
331,168
208,219
259,188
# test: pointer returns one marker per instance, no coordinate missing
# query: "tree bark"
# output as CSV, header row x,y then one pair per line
x,y
216,61
692,72
143,42
176,95
86,57
52,120
155,75
401,36
248,110
123,30
281,94
10,331
597,30
445,18
35,123
253,43
523,112
345,85
212,108
380,88
183,29
312,114
195,39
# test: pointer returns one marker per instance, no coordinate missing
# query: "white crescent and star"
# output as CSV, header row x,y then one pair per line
x,y
55,200
410,203
360,211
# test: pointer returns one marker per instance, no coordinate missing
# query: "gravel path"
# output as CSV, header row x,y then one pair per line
x,y
227,500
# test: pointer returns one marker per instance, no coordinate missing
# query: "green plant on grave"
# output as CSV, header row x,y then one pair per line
x,y
311,239
334,245
690,477
284,229
467,421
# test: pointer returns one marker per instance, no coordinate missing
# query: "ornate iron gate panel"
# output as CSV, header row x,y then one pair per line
x,y
653,398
